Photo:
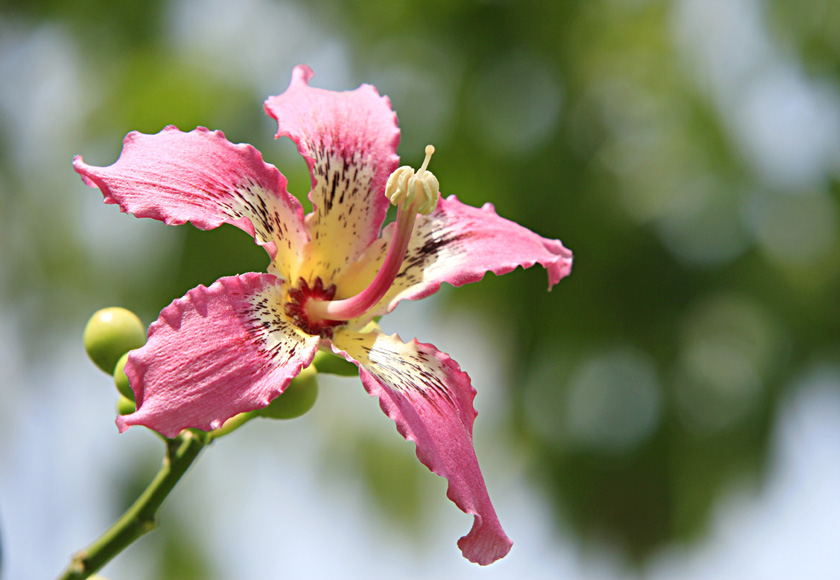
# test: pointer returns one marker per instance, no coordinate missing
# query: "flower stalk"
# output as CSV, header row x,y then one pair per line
x,y
181,453
141,517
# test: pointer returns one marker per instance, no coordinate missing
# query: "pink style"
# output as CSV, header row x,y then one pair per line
x,y
234,346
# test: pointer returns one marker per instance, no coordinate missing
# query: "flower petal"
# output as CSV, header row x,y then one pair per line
x,y
349,140
458,244
203,178
430,399
214,353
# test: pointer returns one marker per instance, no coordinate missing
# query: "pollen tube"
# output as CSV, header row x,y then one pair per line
x,y
414,193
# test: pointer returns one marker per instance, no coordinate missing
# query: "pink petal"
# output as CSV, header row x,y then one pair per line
x,y
214,353
203,178
349,140
430,399
458,244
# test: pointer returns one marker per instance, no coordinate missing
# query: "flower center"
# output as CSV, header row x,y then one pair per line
x,y
295,308
413,193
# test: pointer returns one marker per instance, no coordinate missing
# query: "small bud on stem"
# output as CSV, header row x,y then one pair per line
x,y
110,333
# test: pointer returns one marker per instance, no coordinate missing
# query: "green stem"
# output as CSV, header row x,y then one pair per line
x,y
140,517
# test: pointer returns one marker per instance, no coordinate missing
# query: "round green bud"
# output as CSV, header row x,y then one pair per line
x,y
125,406
332,364
121,380
297,399
110,333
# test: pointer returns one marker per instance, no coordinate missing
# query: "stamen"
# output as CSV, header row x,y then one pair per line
x,y
413,193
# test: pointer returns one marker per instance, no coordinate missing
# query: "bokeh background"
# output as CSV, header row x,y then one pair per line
x,y
671,410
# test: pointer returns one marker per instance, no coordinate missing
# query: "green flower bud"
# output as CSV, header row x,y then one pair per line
x,y
297,399
110,333
125,406
332,364
121,380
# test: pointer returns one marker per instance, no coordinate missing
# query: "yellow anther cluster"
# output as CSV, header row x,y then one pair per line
x,y
422,189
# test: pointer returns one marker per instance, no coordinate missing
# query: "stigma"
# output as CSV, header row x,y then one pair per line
x,y
413,193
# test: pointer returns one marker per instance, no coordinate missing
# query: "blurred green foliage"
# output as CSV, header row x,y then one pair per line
x,y
598,122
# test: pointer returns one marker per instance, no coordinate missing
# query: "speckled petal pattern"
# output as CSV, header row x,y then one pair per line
x,y
349,140
431,400
203,178
216,352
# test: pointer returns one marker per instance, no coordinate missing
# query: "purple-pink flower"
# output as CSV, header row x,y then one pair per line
x,y
234,346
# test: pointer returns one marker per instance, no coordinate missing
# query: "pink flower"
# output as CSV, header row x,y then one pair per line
x,y
236,345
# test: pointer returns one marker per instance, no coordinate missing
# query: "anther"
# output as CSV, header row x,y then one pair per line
x,y
420,189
